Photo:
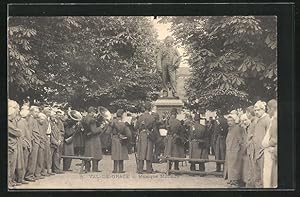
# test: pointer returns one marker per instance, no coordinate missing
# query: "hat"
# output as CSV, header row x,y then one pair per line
x,y
243,117
11,110
119,112
234,117
91,109
173,111
260,105
34,108
75,115
47,109
60,112
148,105
24,112
42,116
197,117
12,103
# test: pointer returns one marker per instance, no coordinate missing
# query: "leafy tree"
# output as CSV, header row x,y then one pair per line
x,y
233,59
91,60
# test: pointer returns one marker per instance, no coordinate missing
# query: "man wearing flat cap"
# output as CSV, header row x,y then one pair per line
x,y
174,141
260,129
145,126
92,146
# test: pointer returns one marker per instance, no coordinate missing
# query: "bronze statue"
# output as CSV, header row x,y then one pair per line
x,y
168,60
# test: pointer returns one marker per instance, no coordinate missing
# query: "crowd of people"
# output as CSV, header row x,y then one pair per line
x,y
38,137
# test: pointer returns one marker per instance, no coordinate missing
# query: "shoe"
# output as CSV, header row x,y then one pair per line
x,y
25,182
30,179
59,172
51,173
122,172
114,171
18,184
96,170
42,177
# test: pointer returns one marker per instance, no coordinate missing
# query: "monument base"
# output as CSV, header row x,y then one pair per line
x,y
165,104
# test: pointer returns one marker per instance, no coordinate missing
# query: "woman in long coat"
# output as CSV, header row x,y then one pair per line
x,y
233,161
174,141
221,130
121,136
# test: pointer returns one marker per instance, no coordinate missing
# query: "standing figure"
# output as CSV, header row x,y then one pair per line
x,y
250,147
270,149
92,140
199,143
168,60
121,136
233,161
260,129
35,141
145,126
13,134
221,130
174,141
71,127
22,124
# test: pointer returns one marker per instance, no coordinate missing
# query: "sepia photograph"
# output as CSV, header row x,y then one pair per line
x,y
142,102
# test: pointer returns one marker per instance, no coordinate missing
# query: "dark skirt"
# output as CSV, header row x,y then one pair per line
x,y
196,152
93,147
172,149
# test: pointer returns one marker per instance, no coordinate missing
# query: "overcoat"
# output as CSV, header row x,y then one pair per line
x,y
221,130
26,137
174,141
145,128
119,151
92,140
70,129
233,160
199,142
270,156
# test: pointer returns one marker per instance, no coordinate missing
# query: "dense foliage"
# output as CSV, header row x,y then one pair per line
x,y
83,60
233,59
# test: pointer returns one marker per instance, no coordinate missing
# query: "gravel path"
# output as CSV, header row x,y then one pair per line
x,y
128,180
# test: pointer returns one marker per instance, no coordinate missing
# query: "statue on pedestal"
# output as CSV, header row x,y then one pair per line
x,y
168,60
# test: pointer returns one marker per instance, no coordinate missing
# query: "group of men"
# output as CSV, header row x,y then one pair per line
x,y
251,146
35,142
39,136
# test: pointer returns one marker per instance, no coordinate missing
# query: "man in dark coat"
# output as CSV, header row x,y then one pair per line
x,y
234,154
71,127
56,142
121,136
35,141
174,141
92,140
221,130
199,143
145,128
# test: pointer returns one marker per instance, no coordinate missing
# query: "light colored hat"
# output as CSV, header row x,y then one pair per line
x,y
75,115
34,108
60,112
260,105
42,116
234,117
25,106
12,103
24,112
11,110
243,117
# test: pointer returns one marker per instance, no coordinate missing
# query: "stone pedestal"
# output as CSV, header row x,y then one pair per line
x,y
165,104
